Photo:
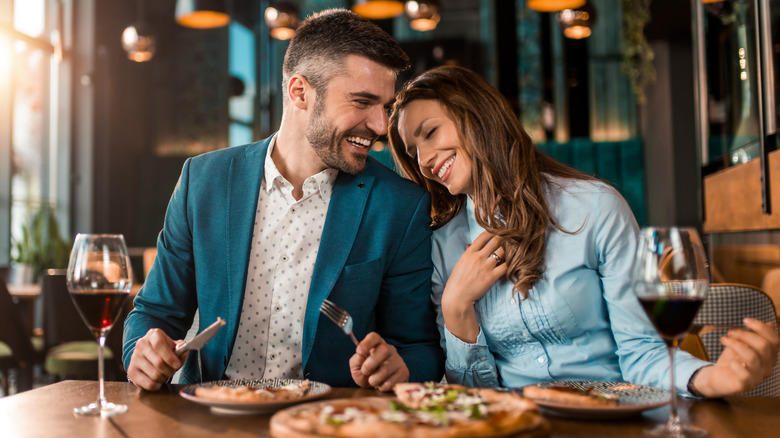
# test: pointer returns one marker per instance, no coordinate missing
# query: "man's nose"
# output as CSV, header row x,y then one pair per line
x,y
377,120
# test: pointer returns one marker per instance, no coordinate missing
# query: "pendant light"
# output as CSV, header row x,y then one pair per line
x,y
378,9
554,5
138,39
577,23
202,14
423,15
282,20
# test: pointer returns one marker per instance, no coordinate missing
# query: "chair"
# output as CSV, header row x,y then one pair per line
x,y
71,349
16,349
729,304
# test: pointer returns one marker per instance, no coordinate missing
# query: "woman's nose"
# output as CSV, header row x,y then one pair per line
x,y
426,160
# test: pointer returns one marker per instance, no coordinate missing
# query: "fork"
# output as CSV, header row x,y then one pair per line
x,y
341,317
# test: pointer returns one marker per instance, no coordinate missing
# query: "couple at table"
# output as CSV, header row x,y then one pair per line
x,y
527,261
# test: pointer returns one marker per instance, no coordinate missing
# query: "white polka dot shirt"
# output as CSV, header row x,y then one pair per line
x,y
285,243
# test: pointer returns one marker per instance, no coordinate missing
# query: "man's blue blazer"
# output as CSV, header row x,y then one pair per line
x,y
374,260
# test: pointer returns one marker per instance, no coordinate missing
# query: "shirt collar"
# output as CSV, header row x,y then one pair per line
x,y
321,182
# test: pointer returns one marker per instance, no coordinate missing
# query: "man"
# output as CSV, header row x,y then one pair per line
x,y
262,234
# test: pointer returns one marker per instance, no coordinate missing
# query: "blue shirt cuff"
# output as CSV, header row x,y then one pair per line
x,y
464,355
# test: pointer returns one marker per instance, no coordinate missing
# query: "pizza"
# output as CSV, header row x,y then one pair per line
x,y
570,395
248,393
418,410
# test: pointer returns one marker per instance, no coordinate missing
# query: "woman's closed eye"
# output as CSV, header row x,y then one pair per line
x,y
430,133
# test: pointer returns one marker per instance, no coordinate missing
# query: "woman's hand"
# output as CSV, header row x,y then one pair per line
x,y
748,359
480,266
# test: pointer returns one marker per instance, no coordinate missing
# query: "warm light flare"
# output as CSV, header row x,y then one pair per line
x,y
204,20
29,17
423,16
378,9
554,5
5,59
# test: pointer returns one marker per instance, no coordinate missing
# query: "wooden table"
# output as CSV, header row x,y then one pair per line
x,y
48,412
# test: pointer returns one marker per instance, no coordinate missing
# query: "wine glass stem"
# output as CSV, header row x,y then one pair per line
x,y
674,420
102,392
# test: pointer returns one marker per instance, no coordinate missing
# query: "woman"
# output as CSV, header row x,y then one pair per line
x,y
532,258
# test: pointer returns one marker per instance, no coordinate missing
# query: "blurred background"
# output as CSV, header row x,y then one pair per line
x,y
102,101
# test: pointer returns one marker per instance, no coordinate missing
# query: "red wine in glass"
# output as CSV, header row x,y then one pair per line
x,y
99,308
671,315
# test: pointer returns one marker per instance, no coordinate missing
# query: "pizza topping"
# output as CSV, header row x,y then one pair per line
x,y
248,393
330,415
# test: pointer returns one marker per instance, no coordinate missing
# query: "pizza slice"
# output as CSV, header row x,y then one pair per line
x,y
570,395
248,393
419,410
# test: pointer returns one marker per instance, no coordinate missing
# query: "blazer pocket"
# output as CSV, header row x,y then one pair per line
x,y
361,272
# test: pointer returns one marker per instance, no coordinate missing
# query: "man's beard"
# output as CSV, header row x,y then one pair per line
x,y
326,141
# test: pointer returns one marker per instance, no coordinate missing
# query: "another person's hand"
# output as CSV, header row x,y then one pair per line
x,y
748,359
377,364
154,360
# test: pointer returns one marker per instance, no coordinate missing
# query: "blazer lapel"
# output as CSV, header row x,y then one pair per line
x,y
246,172
345,213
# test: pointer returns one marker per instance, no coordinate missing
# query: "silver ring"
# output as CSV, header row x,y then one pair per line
x,y
498,258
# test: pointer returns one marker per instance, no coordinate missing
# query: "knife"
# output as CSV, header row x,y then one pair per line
x,y
202,338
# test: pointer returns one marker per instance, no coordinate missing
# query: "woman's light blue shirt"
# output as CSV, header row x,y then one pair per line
x,y
581,321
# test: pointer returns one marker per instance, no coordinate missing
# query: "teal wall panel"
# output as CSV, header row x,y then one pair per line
x,y
620,163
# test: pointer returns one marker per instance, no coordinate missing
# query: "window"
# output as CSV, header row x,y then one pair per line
x,y
29,140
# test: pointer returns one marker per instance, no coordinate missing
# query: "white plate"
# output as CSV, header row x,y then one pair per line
x,y
633,399
316,390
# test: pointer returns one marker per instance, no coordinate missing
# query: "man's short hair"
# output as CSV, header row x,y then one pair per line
x,y
324,40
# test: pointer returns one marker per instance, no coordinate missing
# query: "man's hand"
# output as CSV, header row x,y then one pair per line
x,y
154,360
377,364
748,359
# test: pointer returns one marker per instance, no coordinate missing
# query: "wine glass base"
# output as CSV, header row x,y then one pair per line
x,y
676,432
106,409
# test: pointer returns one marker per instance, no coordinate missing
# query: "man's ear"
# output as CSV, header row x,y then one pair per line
x,y
300,92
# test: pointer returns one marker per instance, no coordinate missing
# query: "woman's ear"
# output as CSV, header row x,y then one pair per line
x,y
300,92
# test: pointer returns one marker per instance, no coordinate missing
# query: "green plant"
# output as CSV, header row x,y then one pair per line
x,y
638,55
41,245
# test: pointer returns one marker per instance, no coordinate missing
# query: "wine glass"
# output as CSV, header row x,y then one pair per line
x,y
99,282
671,279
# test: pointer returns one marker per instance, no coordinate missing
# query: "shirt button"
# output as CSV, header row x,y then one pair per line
x,y
278,308
540,359
284,258
482,358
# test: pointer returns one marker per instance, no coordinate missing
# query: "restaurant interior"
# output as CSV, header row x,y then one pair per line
x,y
674,103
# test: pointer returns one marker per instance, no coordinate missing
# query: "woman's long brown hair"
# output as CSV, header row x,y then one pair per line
x,y
509,188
